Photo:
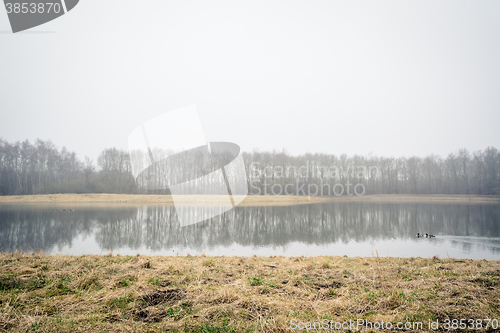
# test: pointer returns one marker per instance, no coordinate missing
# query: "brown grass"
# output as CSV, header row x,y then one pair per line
x,y
251,200
224,294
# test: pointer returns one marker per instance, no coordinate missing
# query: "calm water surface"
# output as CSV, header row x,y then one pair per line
x,y
352,229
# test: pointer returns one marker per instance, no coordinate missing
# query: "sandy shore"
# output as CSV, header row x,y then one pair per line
x,y
251,200
198,200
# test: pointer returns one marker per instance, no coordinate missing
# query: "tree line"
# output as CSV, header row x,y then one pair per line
x,y
461,172
43,168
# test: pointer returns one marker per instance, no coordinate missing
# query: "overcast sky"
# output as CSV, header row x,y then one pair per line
x,y
390,77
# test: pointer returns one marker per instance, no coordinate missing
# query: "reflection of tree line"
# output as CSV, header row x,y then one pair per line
x,y
41,228
157,228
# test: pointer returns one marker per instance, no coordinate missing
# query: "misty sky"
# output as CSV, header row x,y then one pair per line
x,y
396,78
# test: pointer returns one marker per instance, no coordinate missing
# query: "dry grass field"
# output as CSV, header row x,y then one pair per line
x,y
43,293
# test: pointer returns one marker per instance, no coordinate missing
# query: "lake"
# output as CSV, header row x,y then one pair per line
x,y
346,228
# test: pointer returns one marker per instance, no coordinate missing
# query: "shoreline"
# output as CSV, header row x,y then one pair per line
x,y
250,200
238,294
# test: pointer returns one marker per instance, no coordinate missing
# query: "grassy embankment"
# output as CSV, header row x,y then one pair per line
x,y
225,294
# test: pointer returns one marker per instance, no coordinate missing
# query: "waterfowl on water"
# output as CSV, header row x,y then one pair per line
x,y
419,235
429,236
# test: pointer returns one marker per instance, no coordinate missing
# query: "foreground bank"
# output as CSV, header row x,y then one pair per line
x,y
224,294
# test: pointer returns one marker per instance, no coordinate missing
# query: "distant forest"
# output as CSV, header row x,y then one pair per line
x,y
43,168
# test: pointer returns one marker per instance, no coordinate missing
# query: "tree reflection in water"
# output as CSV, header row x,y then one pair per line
x,y
156,228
